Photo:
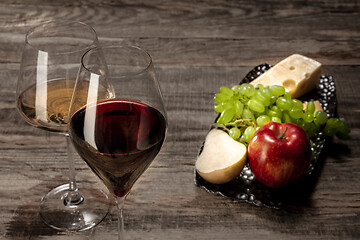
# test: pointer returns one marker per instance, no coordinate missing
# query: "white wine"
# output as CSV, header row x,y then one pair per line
x,y
47,105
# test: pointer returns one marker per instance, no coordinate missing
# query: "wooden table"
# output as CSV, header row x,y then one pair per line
x,y
197,46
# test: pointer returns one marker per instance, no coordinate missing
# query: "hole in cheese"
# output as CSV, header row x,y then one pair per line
x,y
292,68
289,84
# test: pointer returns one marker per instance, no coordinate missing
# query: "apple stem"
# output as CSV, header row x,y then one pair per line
x,y
282,135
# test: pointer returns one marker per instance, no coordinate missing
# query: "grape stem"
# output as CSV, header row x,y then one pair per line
x,y
244,122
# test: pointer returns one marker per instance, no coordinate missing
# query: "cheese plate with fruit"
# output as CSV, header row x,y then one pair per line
x,y
266,146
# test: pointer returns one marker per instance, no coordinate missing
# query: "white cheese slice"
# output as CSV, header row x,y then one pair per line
x,y
318,106
297,74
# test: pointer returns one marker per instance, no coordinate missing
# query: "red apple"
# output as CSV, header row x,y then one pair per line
x,y
279,153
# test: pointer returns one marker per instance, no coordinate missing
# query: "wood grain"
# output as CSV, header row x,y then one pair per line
x,y
235,33
197,46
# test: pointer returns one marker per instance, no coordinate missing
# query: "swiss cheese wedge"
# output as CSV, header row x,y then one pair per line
x,y
297,74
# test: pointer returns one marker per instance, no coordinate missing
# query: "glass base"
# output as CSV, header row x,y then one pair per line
x,y
79,211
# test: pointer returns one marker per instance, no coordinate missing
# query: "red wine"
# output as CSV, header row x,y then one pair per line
x,y
118,139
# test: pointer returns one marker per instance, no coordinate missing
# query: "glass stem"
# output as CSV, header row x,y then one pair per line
x,y
120,206
73,197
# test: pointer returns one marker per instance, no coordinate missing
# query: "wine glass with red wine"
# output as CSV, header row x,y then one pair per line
x,y
49,66
119,128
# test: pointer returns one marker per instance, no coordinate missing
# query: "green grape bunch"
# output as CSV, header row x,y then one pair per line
x,y
244,108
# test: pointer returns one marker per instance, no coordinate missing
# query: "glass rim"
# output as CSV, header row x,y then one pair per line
x,y
143,69
61,22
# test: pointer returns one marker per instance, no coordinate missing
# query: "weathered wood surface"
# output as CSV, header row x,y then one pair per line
x,y
197,46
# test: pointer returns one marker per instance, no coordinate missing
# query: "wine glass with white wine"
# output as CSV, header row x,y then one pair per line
x,y
49,66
